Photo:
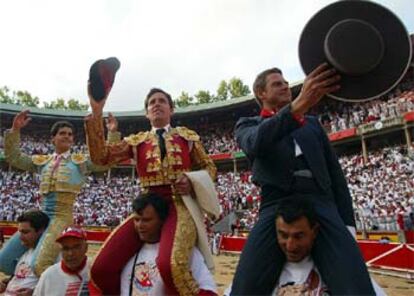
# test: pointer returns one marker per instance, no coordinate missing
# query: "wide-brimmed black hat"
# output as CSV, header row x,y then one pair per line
x,y
367,44
102,77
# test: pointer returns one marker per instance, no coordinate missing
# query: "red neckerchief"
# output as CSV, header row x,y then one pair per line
x,y
73,272
265,113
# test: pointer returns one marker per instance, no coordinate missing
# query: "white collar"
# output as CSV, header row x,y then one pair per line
x,y
166,128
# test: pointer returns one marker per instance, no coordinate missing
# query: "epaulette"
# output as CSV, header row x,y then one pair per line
x,y
79,158
187,134
41,159
136,139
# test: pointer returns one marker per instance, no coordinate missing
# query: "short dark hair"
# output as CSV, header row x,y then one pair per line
x,y
260,82
61,124
292,209
37,219
157,201
158,90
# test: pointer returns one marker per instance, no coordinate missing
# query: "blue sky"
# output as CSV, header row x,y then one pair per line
x,y
48,46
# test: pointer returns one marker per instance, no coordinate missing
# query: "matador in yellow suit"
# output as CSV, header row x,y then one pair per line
x,y
163,156
62,176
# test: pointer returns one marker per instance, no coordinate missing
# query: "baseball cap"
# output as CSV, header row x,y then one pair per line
x,y
72,231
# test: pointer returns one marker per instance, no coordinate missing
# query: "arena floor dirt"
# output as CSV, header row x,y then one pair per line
x,y
226,264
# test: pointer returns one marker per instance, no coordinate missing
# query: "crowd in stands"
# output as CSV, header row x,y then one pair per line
x,y
382,190
104,201
219,138
237,192
336,116
19,192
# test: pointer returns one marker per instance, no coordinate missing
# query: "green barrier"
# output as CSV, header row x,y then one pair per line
x,y
239,154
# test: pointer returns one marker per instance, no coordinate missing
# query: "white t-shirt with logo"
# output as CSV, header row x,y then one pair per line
x,y
147,279
296,276
55,282
24,276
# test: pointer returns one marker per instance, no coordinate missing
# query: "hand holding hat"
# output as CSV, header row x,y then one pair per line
x,y
319,82
101,79
365,42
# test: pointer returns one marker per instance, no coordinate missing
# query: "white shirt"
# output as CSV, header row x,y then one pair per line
x,y
297,273
298,150
24,276
147,279
166,128
55,282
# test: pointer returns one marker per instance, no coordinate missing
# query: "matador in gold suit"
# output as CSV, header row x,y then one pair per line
x,y
62,175
161,159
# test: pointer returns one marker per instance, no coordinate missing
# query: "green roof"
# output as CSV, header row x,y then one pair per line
x,y
72,113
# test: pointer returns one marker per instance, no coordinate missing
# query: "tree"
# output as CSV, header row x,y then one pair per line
x,y
74,104
5,96
24,98
222,91
59,103
184,100
237,88
203,97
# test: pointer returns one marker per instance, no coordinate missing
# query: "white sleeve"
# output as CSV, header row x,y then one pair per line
x,y
40,286
201,273
126,277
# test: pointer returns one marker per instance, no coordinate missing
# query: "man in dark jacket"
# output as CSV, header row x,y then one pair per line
x,y
291,156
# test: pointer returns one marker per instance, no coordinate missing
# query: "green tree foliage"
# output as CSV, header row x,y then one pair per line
x,y
222,91
203,97
24,98
233,88
59,103
71,104
184,100
237,88
74,104
5,96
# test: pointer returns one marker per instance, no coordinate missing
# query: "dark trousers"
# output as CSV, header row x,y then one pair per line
x,y
335,253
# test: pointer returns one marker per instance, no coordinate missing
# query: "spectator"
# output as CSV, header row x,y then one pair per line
x,y
70,276
31,226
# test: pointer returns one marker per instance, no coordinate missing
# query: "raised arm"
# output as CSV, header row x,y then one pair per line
x,y
256,136
103,153
12,144
114,137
